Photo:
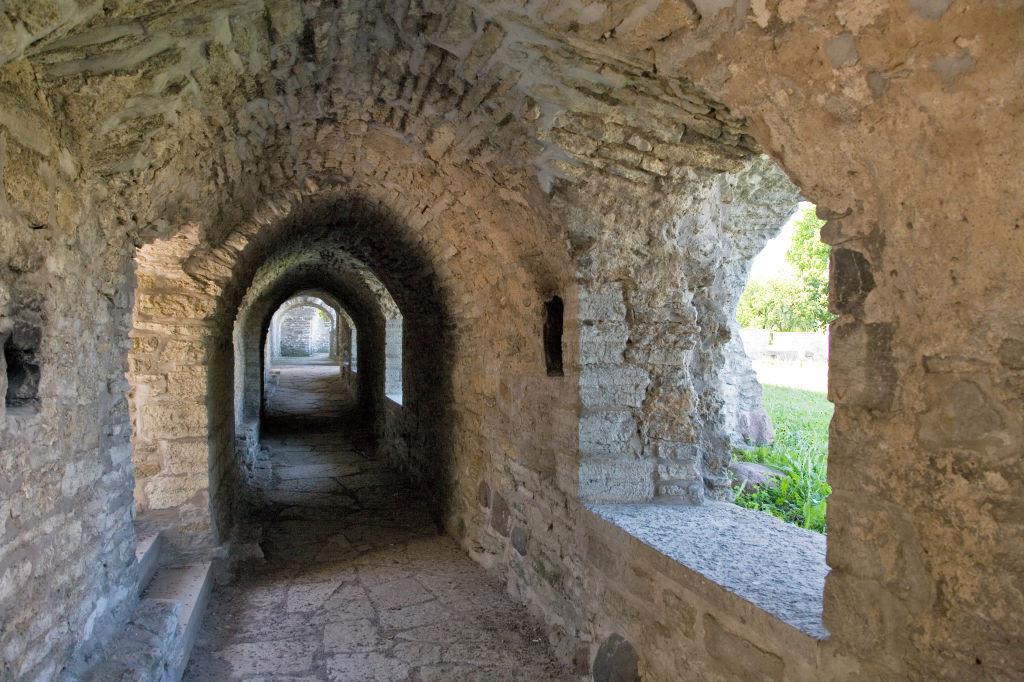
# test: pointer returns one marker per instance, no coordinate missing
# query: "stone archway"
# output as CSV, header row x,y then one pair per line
x,y
421,426
523,146
304,342
345,332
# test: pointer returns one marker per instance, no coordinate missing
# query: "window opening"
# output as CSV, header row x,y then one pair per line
x,y
554,313
22,368
393,359
779,464
354,351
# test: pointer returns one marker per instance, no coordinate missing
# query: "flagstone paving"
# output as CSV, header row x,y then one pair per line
x,y
356,583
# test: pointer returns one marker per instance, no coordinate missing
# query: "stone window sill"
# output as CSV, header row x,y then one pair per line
x,y
777,567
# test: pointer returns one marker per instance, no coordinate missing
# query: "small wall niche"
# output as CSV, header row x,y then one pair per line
x,y
21,365
554,313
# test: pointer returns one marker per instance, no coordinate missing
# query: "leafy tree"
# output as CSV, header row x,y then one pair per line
x,y
798,303
807,253
777,304
809,257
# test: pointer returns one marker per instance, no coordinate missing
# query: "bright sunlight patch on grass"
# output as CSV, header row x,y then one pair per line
x,y
799,452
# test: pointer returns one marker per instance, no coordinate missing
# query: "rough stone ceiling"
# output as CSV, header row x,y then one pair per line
x,y
267,298
320,263
343,237
582,85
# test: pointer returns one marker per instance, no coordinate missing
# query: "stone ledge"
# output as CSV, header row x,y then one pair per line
x,y
777,567
147,557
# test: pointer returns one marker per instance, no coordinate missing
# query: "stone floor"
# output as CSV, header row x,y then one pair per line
x,y
305,397
356,584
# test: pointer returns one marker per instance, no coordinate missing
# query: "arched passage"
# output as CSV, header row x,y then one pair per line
x,y
480,126
342,399
275,282
344,332
360,259
304,326
280,263
270,291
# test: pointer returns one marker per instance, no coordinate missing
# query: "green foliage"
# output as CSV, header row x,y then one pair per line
x,y
777,304
798,303
809,257
800,452
807,253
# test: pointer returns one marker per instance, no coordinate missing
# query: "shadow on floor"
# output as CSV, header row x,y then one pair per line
x,y
355,583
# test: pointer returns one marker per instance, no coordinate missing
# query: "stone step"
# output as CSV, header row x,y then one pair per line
x,y
157,641
189,588
140,653
147,558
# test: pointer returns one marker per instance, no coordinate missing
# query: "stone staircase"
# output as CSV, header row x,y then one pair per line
x,y
156,643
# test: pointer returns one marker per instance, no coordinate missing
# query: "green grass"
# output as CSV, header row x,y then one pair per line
x,y
800,452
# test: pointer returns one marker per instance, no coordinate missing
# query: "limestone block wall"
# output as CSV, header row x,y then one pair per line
x,y
297,332
320,337
662,400
66,537
393,358
301,329
169,370
275,280
523,151
904,593
260,310
345,342
336,338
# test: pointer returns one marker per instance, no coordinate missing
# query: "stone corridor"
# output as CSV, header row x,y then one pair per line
x,y
530,225
356,583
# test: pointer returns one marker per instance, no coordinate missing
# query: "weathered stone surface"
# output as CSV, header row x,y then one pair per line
x,y
850,280
173,420
962,416
862,370
521,540
203,160
750,475
740,656
613,386
302,329
501,515
616,479
728,545
144,650
175,306
616,661
609,434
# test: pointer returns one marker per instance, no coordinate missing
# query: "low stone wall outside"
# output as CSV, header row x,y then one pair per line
x,y
764,344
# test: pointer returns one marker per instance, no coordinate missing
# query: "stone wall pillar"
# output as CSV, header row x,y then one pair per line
x,y
393,357
168,371
343,341
660,274
613,465
173,443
